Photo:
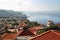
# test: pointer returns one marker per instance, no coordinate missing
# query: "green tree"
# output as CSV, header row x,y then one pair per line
x,y
52,27
32,24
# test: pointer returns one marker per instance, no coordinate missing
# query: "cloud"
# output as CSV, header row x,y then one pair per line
x,y
24,5
15,4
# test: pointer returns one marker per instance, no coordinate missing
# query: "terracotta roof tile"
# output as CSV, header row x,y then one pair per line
x,y
8,36
27,32
19,32
49,35
58,24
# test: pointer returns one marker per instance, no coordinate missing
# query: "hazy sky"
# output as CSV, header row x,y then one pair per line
x,y
34,5
30,5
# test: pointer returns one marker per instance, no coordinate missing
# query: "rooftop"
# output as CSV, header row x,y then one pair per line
x,y
49,35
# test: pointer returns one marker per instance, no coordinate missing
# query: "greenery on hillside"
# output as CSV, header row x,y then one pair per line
x,y
51,27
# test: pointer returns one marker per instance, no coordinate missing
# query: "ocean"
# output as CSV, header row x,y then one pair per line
x,y
43,16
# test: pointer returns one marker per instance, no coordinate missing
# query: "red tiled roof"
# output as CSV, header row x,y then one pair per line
x,y
58,24
27,32
33,29
49,35
57,31
50,21
8,36
19,32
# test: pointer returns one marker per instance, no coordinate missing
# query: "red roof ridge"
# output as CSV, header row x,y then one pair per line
x,y
54,31
6,34
41,34
28,30
32,31
3,36
46,33
19,32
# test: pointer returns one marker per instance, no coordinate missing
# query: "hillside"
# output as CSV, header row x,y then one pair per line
x,y
10,13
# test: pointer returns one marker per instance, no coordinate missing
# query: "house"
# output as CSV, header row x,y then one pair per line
x,y
50,22
49,35
8,36
25,34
